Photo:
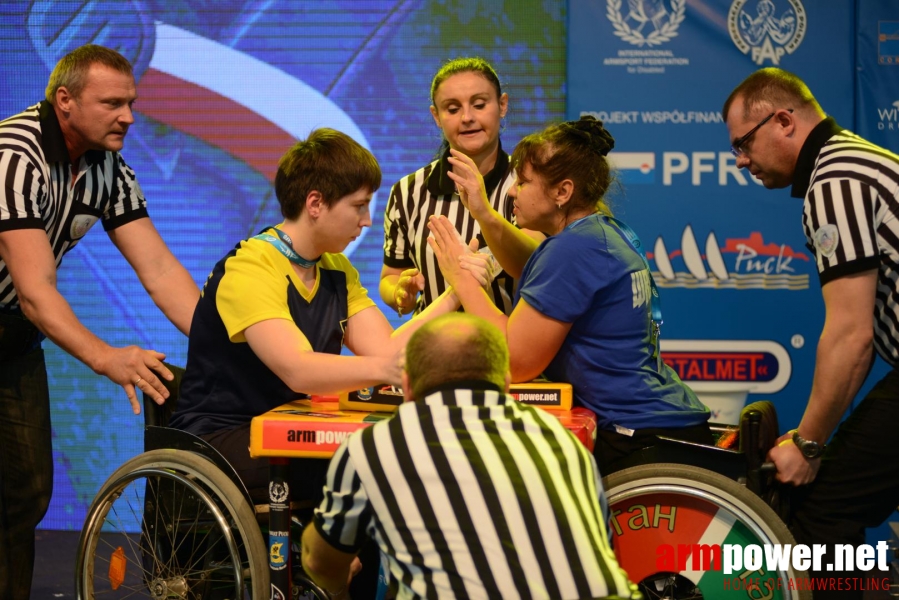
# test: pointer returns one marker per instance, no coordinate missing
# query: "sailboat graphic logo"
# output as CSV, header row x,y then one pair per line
x,y
756,265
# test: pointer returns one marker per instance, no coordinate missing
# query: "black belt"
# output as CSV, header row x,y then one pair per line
x,y
18,336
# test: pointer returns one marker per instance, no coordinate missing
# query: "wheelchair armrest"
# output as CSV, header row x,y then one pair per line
x,y
758,432
159,415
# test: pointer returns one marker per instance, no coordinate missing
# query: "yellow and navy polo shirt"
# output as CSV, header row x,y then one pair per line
x,y
225,383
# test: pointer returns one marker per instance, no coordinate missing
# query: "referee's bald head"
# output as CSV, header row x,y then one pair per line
x,y
456,348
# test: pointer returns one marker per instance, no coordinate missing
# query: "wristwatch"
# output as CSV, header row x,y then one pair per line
x,y
809,448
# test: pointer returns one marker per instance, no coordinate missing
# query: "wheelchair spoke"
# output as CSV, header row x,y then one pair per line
x,y
155,531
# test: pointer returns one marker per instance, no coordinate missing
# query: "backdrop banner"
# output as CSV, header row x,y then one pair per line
x,y
224,89
877,86
742,301
743,306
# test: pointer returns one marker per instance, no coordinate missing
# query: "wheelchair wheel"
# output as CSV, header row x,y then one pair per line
x,y
659,511
170,524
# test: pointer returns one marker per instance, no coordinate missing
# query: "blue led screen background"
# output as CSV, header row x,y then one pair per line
x,y
224,88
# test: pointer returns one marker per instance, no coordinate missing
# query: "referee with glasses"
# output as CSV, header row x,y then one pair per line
x,y
62,172
851,220
468,493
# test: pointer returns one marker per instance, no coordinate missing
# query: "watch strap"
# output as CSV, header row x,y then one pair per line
x,y
810,449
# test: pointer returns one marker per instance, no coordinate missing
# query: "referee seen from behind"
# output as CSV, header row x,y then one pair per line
x,y
779,133
468,493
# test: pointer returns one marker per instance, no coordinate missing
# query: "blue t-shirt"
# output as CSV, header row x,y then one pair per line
x,y
591,276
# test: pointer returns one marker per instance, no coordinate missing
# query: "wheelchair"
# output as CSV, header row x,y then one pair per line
x,y
176,522
681,493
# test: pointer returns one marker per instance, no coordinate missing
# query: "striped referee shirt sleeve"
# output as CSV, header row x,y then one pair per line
x,y
127,202
344,515
397,249
850,202
21,190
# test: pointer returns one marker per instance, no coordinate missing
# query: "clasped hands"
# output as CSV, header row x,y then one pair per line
x,y
481,264
456,258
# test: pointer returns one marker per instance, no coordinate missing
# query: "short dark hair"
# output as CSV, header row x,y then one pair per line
x,y
574,150
328,161
71,70
472,64
454,348
772,88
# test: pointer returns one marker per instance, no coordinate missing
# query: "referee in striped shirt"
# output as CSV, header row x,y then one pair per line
x,y
851,220
468,493
62,172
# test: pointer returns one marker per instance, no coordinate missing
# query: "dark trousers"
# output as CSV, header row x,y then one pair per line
x,y
307,475
612,447
307,480
26,467
858,484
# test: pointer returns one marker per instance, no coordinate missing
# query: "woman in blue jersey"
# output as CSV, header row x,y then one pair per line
x,y
584,307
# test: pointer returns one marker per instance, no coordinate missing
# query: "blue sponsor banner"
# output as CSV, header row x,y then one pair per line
x,y
743,307
728,255
877,92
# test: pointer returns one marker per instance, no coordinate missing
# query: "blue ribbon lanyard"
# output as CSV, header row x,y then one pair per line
x,y
655,301
285,247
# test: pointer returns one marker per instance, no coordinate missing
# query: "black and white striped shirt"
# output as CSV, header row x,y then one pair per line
x,y
38,190
470,494
429,191
851,218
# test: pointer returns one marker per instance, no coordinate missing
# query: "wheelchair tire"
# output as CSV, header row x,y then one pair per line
x,y
670,504
169,524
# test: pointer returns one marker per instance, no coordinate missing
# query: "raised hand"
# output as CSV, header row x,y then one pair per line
x,y
448,249
469,184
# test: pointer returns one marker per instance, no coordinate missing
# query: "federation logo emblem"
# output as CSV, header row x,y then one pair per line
x,y
767,29
827,238
277,492
646,22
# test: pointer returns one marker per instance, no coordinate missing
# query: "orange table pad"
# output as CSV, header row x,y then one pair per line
x,y
315,429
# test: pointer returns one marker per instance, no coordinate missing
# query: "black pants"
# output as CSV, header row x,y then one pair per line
x,y
307,475
26,455
306,481
858,484
612,447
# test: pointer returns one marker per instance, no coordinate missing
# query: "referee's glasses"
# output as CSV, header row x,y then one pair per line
x,y
737,147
